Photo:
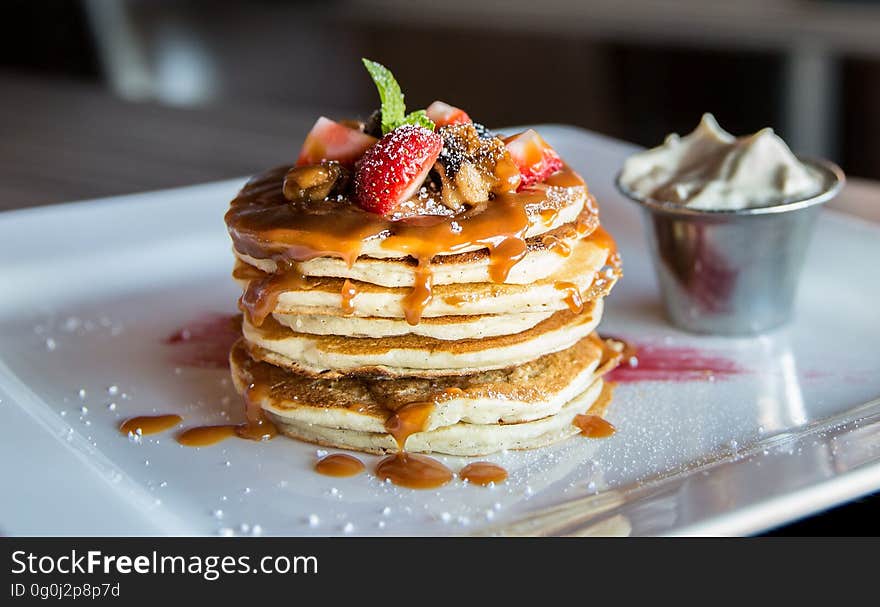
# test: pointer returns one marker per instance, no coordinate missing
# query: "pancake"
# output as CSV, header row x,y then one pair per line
x,y
582,269
546,254
263,223
522,393
461,319
418,356
472,415
443,327
459,439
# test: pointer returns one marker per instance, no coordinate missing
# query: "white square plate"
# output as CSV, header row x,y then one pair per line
x,y
715,435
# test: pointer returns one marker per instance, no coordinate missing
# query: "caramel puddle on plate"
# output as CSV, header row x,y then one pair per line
x,y
204,436
483,473
407,469
413,471
339,465
257,426
149,424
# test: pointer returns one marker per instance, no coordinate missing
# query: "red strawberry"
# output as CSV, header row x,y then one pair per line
x,y
443,114
534,157
395,168
329,140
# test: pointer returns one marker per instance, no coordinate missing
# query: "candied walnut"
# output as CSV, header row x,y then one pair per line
x,y
472,167
315,182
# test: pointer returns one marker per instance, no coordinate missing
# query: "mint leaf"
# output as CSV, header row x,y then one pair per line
x,y
391,98
390,95
419,118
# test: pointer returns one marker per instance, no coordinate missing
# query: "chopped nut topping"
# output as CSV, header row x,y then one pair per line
x,y
472,167
314,182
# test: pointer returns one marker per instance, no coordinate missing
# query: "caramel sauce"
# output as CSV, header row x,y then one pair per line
x,y
243,271
573,297
205,436
593,426
548,216
265,225
256,427
413,471
557,245
408,420
483,473
591,423
565,178
150,424
420,295
348,293
406,469
340,465
261,295
454,300
504,256
601,238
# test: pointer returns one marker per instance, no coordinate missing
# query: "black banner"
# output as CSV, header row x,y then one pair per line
x,y
223,570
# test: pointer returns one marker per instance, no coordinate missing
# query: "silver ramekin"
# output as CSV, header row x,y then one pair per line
x,y
732,272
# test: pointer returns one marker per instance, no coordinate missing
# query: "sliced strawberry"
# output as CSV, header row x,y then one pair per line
x,y
329,140
394,169
534,157
443,114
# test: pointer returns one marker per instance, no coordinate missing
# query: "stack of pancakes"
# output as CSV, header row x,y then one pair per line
x,y
497,349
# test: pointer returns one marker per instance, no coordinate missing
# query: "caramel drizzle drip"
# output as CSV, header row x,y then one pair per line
x,y
408,420
548,216
557,245
409,469
257,426
573,298
421,294
504,255
591,423
349,290
261,295
265,225
601,238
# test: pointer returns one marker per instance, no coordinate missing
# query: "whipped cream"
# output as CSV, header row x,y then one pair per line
x,y
710,169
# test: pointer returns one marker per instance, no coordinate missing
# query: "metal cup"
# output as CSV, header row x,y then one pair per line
x,y
732,272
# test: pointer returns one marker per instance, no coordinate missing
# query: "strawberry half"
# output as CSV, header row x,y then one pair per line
x,y
394,169
329,140
443,114
533,156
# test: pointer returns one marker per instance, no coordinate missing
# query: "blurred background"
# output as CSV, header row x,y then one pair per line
x,y
242,81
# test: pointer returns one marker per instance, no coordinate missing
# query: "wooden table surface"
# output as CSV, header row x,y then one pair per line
x,y
64,141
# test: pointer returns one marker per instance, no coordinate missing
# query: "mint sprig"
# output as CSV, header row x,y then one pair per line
x,y
391,98
419,118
